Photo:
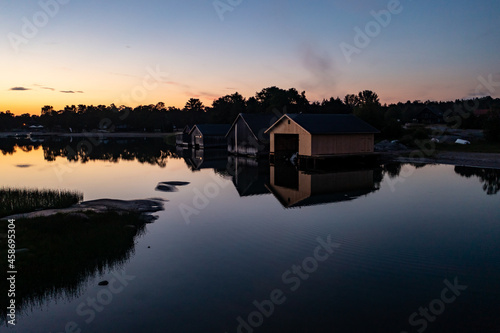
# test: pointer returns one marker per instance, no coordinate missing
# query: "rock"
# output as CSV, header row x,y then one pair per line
x,y
166,188
149,218
97,206
389,146
175,183
103,283
170,186
78,216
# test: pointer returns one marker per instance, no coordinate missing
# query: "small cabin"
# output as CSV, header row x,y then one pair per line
x,y
183,138
321,135
209,135
429,115
247,135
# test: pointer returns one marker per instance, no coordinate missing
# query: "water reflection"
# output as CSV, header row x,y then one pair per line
x,y
295,188
198,159
144,150
249,175
489,178
60,254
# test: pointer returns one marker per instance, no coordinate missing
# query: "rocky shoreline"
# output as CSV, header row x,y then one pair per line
x,y
476,160
143,207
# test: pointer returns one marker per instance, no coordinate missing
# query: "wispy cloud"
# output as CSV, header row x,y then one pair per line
x,y
71,92
19,89
320,65
48,88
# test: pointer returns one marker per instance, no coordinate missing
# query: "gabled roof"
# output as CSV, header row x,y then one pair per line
x,y
212,129
329,123
255,121
432,109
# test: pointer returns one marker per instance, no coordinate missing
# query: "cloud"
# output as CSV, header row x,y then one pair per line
x,y
71,92
321,67
19,89
48,88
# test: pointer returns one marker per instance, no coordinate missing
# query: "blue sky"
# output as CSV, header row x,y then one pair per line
x,y
101,50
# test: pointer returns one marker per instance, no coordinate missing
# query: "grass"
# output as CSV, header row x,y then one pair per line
x,y
17,201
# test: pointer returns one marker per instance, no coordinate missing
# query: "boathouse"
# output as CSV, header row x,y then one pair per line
x,y
321,135
429,115
209,135
247,135
183,138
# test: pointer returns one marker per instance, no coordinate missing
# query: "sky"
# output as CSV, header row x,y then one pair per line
x,y
70,52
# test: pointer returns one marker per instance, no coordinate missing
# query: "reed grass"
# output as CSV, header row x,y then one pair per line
x,y
17,201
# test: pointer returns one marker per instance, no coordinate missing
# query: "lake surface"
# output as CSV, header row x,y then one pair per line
x,y
249,247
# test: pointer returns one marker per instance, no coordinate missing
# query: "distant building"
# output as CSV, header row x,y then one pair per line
x,y
209,135
183,138
247,134
481,112
429,115
321,135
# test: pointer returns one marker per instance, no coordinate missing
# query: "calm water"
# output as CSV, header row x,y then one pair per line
x,y
398,248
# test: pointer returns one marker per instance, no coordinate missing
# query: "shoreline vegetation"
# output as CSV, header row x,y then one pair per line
x,y
19,201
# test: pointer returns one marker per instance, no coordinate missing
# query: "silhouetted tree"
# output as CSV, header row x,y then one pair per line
x,y
194,104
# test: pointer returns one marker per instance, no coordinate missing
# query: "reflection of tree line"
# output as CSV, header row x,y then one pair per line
x,y
392,170
490,178
62,253
152,150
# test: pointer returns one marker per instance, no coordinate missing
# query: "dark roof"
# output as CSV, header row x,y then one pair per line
x,y
257,122
432,109
331,123
212,129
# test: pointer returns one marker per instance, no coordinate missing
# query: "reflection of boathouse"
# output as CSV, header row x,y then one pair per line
x,y
295,188
197,159
249,175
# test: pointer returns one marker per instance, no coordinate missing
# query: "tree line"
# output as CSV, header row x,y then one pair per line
x,y
161,118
